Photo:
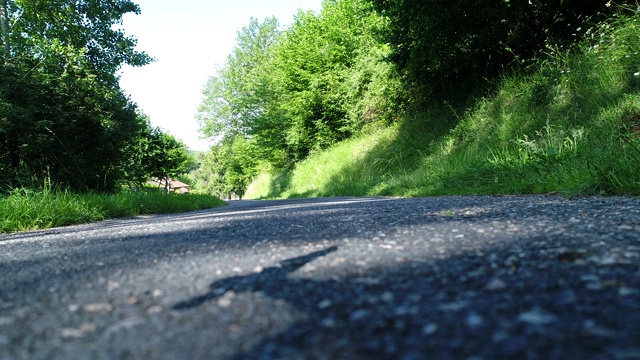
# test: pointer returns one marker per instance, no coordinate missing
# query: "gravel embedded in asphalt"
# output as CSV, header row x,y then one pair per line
x,y
538,277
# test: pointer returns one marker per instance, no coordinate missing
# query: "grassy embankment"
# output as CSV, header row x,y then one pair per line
x,y
29,210
572,125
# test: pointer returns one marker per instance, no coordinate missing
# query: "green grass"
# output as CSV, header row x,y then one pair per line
x,y
25,209
325,172
571,125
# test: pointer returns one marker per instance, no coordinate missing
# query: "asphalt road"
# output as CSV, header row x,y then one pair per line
x,y
536,277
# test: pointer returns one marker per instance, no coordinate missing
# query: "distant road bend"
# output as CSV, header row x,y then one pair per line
x,y
505,277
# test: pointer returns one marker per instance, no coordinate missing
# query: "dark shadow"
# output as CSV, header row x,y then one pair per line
x,y
279,184
255,282
445,309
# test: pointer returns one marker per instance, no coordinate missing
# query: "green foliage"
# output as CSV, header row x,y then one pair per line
x,y
238,95
227,169
449,50
152,154
50,34
65,123
352,167
562,90
333,76
289,93
63,116
208,178
66,127
25,209
570,124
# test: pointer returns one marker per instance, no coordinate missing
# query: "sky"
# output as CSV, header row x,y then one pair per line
x,y
189,39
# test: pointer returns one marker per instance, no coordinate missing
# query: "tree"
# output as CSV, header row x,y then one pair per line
x,y
209,176
324,65
283,94
153,154
240,167
305,88
62,113
52,33
449,48
4,29
171,157
227,169
68,129
237,97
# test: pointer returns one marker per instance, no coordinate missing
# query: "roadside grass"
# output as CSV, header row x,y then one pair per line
x,y
360,166
324,174
570,124
25,209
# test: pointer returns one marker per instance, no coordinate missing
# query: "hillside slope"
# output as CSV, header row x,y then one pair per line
x,y
569,125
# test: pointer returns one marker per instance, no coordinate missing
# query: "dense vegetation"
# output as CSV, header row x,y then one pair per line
x,y
63,116
26,209
283,95
427,97
70,140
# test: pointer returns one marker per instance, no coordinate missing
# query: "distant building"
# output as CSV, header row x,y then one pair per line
x,y
174,185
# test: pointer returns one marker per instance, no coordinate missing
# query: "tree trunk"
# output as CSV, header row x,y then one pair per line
x,y
4,29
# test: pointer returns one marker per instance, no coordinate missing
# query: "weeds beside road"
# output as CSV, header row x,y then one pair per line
x,y
26,209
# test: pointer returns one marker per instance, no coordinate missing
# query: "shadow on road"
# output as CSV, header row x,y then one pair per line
x,y
262,281
451,308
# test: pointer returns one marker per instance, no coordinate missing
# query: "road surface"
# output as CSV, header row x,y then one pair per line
x,y
531,277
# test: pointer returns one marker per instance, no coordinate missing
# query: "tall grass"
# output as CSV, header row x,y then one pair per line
x,y
570,124
25,209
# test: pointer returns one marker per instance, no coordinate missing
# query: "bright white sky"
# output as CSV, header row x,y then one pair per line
x,y
189,38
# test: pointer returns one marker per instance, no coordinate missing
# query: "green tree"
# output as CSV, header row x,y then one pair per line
x,y
153,154
238,96
4,29
240,167
325,75
209,176
449,48
227,169
62,113
66,128
304,88
50,34
282,94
